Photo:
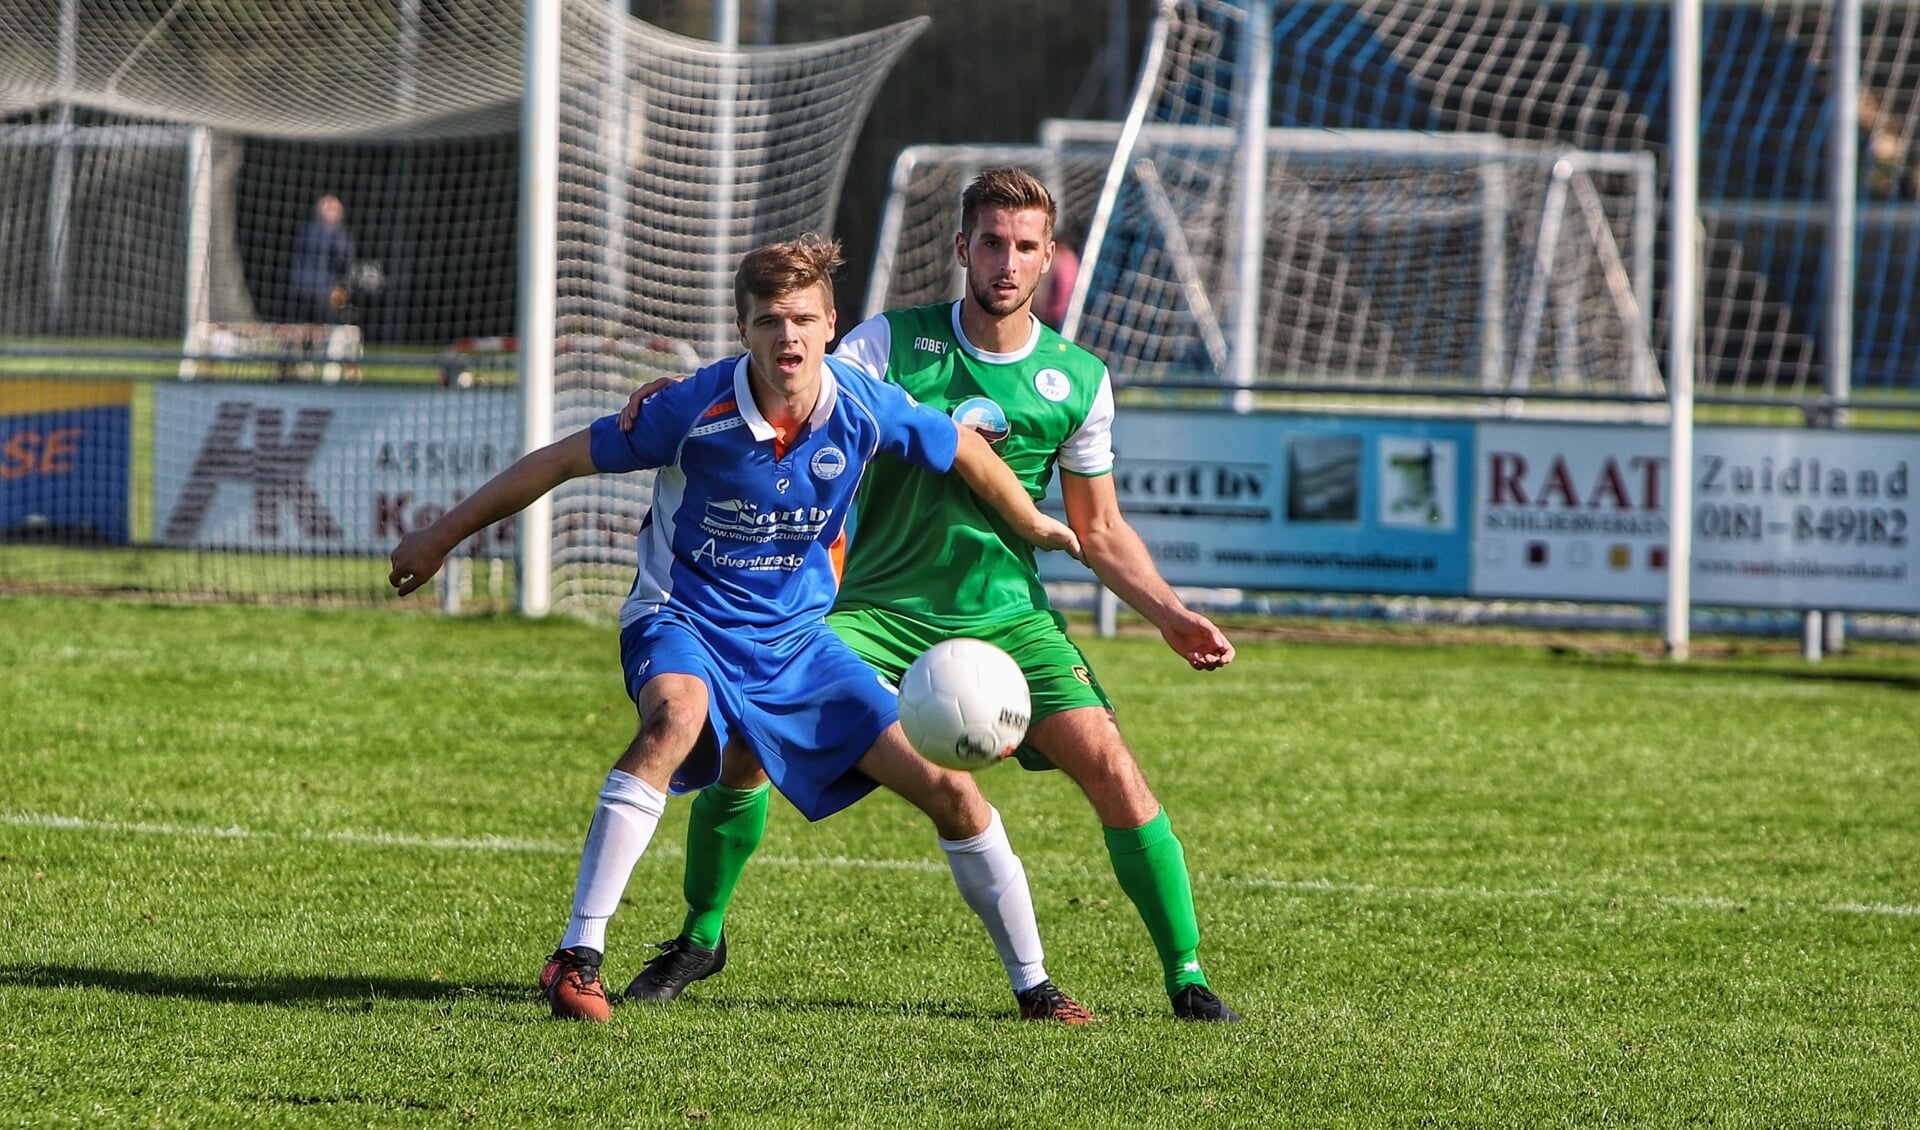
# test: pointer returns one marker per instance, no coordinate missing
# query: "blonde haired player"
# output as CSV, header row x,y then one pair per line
x,y
926,563
723,637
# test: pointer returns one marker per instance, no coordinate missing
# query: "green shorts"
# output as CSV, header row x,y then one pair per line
x,y
1058,676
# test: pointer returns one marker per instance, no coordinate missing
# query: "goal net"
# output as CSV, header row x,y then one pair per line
x,y
1590,77
1391,257
166,169
1387,258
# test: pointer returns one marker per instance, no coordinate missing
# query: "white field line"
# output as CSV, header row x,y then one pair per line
x,y
235,832
549,847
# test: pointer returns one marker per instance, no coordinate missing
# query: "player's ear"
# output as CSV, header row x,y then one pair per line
x,y
960,247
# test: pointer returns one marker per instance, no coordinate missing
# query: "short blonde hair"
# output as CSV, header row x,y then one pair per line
x,y
774,269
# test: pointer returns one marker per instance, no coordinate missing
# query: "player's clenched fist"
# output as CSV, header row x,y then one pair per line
x,y
415,560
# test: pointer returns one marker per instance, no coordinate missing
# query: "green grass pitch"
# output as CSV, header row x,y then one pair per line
x,y
280,867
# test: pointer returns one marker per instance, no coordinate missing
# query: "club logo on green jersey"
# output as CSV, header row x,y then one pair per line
x,y
1052,384
984,416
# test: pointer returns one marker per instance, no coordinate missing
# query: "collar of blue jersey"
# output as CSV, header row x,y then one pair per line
x,y
1020,354
750,411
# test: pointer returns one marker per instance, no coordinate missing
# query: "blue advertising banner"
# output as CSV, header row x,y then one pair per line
x,y
64,458
1324,503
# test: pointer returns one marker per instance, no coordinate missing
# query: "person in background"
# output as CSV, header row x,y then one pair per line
x,y
1056,287
322,264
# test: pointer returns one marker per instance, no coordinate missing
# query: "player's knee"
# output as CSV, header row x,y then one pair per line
x,y
1091,752
672,720
1107,772
956,806
1112,769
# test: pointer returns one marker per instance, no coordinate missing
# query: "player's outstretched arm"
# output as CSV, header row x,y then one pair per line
x,y
421,552
1000,488
1115,553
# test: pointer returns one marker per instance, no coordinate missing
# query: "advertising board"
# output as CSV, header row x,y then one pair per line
x,y
338,469
64,459
1362,504
1782,517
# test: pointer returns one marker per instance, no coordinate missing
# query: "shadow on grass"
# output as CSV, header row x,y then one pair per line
x,y
1830,672
903,1010
333,991
336,991
1898,680
231,988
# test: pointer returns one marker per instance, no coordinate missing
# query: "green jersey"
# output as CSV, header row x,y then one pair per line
x,y
924,543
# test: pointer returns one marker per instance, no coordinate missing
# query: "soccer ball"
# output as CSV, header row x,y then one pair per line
x,y
964,704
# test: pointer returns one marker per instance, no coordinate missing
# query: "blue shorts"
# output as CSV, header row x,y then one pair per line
x,y
803,701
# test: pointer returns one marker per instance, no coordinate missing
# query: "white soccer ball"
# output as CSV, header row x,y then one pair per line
x,y
964,704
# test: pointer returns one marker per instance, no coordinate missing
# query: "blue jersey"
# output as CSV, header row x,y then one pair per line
x,y
741,536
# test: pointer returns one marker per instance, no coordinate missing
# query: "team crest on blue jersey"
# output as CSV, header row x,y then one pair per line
x,y
828,463
984,416
1052,384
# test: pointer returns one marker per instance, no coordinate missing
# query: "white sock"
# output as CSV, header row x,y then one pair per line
x,y
623,823
994,883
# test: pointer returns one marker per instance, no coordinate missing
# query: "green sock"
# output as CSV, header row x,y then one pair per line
x,y
724,827
1152,868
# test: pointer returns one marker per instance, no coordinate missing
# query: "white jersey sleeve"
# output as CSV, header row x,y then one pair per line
x,y
868,346
1089,450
